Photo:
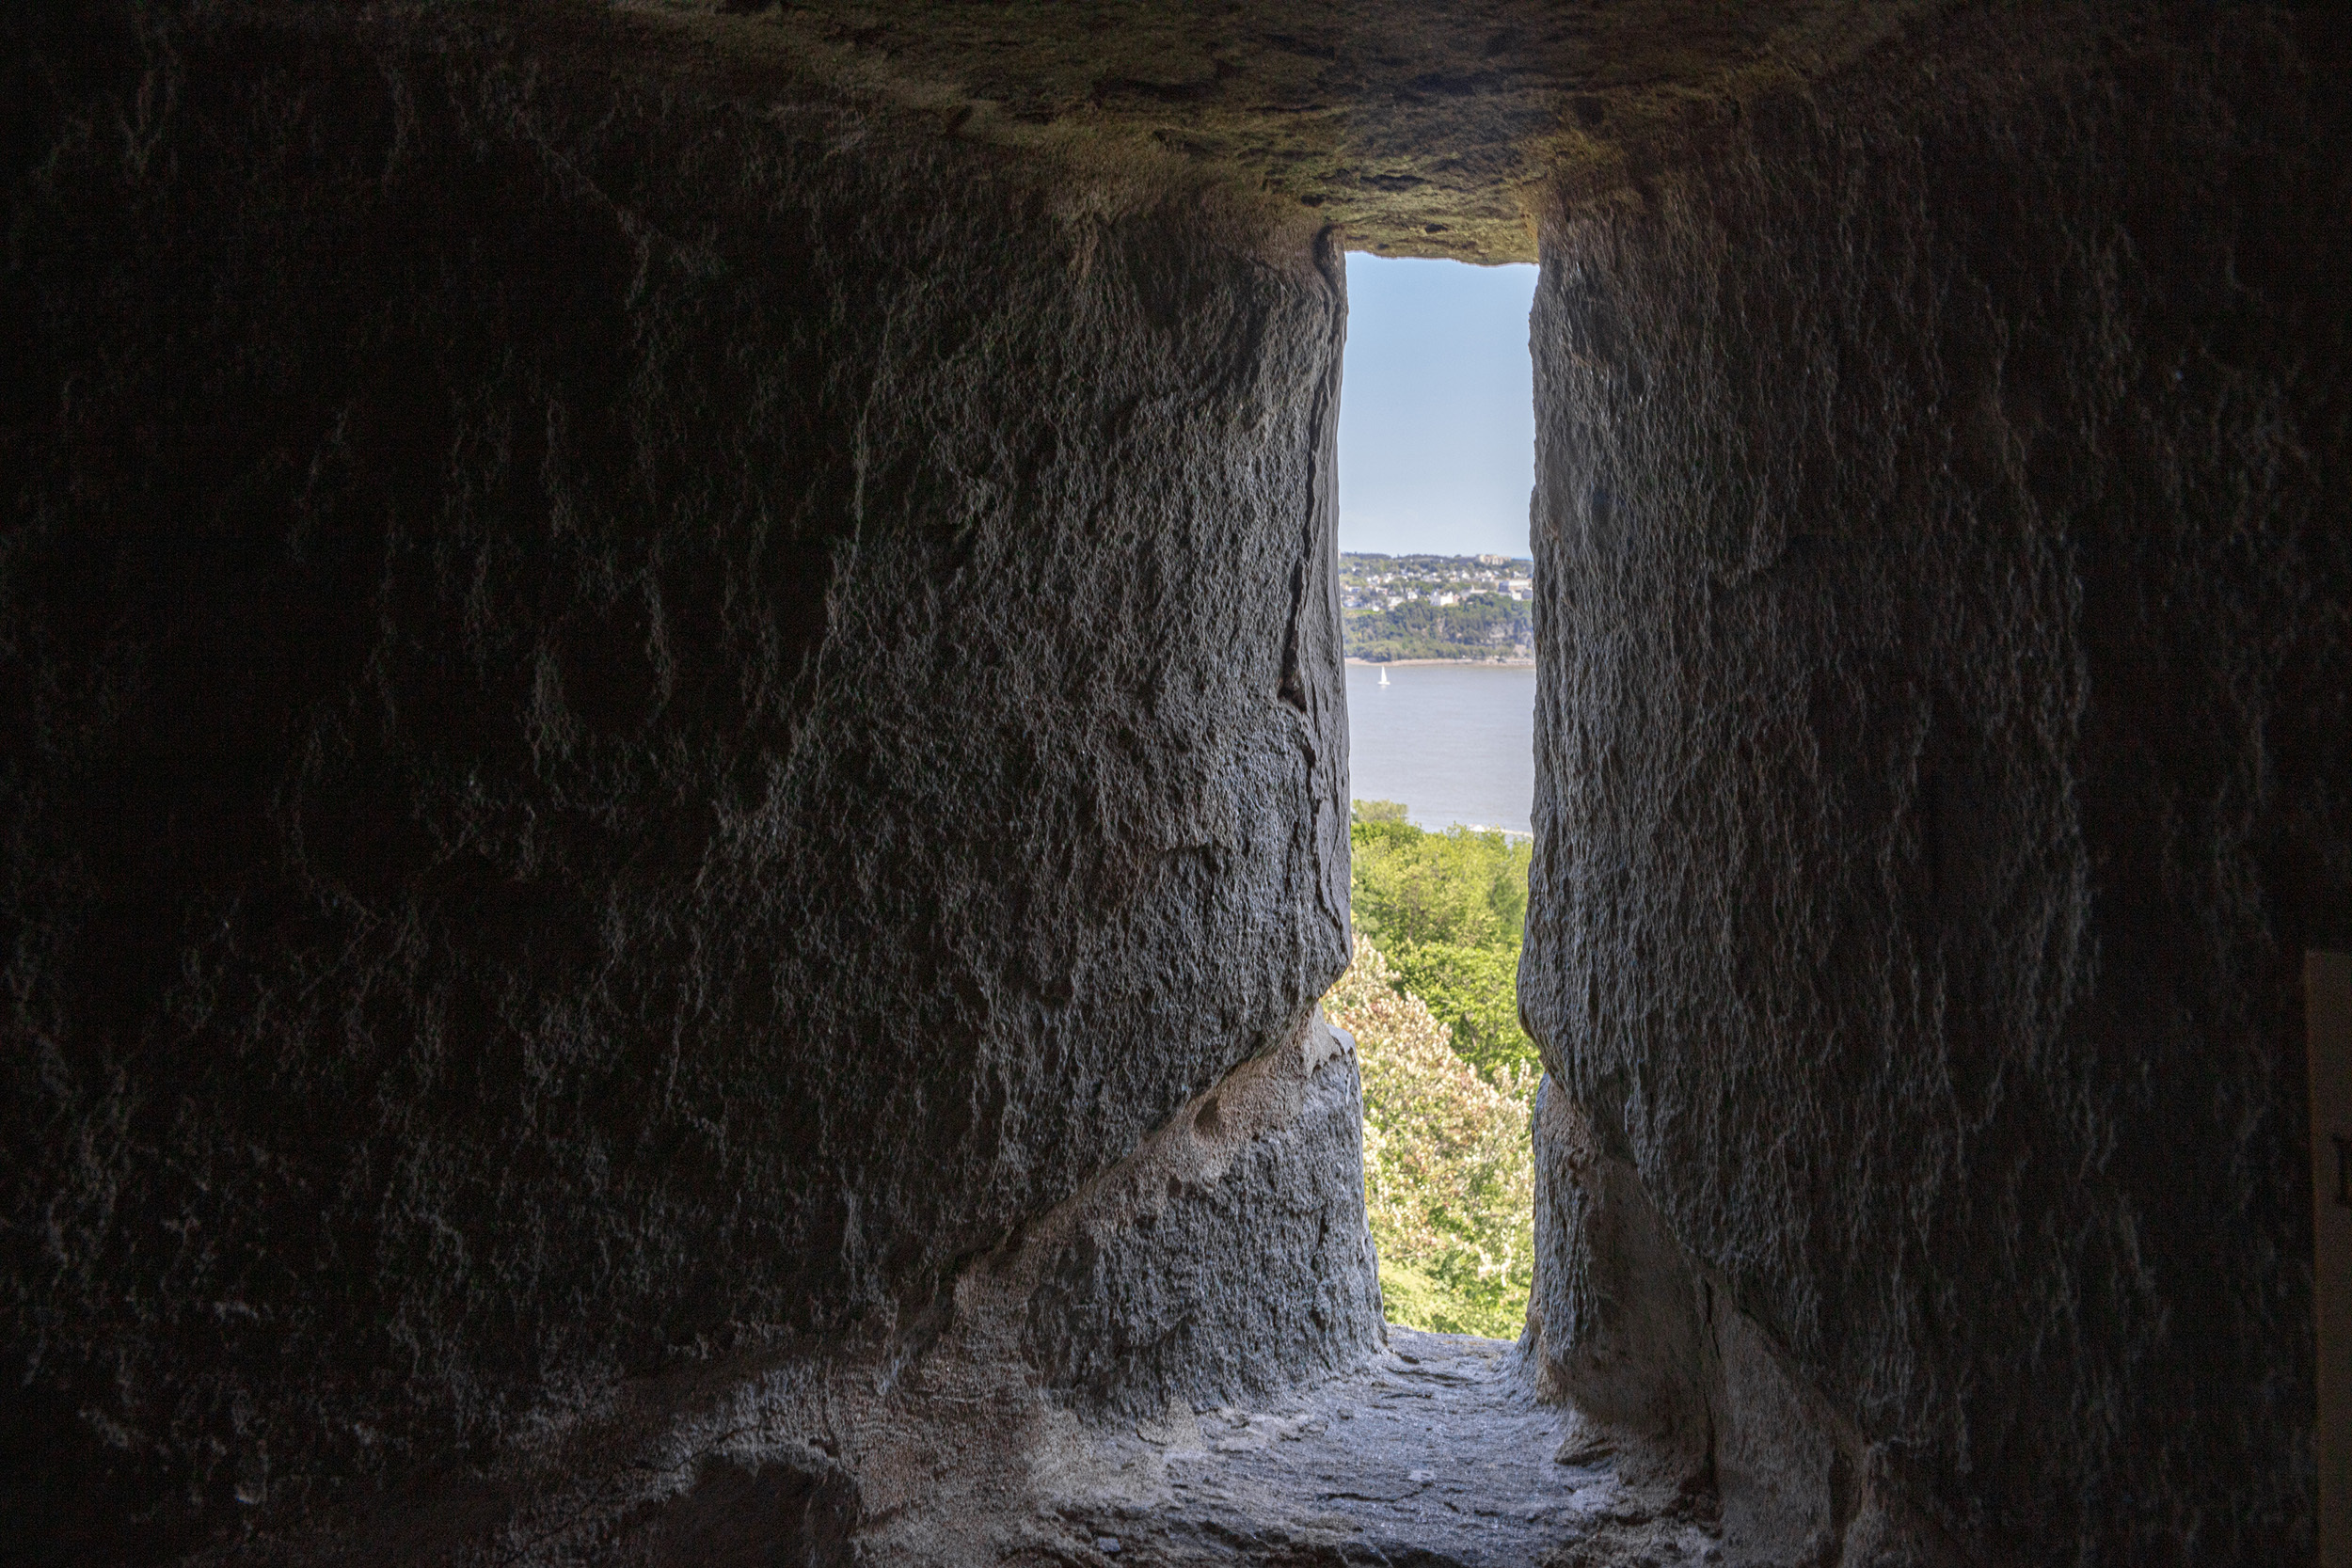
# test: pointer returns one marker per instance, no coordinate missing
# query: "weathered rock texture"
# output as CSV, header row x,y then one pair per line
x,y
1226,1259
1424,129
630,730
1946,755
1434,1454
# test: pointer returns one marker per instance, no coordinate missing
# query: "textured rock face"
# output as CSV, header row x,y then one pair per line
x,y
1423,129
1155,1284
633,730
1944,759
1224,1259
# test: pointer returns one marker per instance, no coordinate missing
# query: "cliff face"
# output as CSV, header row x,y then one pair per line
x,y
1945,758
634,730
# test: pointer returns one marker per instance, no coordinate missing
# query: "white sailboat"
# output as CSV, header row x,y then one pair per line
x,y
1383,674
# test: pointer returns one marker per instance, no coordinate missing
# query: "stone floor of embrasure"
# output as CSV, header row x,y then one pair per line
x,y
1436,1455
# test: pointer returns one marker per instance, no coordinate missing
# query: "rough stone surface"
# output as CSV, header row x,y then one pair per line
x,y
955,1444
1434,1454
1225,1259
1421,130
630,730
1614,1318
1944,757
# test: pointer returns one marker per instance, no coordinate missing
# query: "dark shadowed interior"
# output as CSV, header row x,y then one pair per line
x,y
674,780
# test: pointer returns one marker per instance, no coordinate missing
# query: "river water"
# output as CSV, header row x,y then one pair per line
x,y
1454,742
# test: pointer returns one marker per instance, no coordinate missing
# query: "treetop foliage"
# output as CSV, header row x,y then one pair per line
x,y
1479,625
1449,910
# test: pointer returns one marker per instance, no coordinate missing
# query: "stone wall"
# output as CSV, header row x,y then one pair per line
x,y
1945,758
633,727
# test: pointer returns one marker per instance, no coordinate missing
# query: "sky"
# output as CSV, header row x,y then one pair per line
x,y
1436,408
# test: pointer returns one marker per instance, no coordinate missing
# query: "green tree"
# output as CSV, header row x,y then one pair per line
x,y
1480,625
1449,911
1475,990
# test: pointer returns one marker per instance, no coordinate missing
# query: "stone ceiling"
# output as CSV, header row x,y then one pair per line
x,y
1416,127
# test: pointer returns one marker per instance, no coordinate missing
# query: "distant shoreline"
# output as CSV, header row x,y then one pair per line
x,y
1401,663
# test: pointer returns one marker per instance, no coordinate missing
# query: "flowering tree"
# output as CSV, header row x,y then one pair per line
x,y
1449,1175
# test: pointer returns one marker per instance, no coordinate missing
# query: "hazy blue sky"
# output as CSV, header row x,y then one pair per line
x,y
1437,412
